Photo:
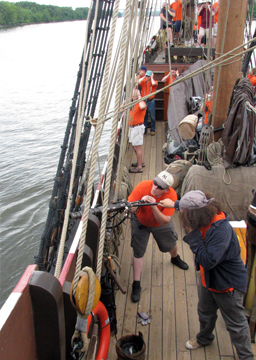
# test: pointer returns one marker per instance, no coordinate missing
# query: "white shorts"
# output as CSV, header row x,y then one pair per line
x,y
136,135
203,31
215,29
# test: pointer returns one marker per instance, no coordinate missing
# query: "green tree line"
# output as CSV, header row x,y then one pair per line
x,y
31,13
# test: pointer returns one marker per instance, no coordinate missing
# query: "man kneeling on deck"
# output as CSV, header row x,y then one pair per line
x,y
223,275
153,219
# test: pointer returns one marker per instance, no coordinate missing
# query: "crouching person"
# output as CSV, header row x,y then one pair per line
x,y
153,219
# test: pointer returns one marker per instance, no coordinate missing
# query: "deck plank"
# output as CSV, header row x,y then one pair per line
x,y
145,301
169,294
156,330
169,313
225,345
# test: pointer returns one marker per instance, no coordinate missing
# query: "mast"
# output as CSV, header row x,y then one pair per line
x,y
232,37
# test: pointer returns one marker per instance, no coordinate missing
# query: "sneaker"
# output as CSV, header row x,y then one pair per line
x,y
152,133
192,344
180,263
171,44
136,289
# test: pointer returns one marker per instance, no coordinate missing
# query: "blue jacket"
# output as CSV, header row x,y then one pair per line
x,y
219,255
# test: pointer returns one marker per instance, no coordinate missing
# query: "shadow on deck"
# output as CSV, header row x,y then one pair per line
x,y
169,294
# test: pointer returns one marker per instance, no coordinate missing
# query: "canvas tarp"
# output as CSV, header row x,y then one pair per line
x,y
235,197
180,94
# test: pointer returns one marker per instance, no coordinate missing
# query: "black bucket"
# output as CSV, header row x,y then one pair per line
x,y
131,347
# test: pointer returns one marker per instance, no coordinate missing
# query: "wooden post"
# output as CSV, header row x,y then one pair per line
x,y
232,33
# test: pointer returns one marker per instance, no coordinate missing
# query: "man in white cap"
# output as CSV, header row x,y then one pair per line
x,y
153,219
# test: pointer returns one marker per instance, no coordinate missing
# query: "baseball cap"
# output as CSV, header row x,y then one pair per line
x,y
164,179
143,68
149,73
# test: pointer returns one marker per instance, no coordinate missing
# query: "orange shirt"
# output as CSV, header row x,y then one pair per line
x,y
216,16
168,81
145,214
147,88
177,7
217,217
137,115
252,79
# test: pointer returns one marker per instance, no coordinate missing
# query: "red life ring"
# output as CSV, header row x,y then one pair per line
x,y
102,314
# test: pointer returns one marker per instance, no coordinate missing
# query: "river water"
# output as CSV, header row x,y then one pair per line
x,y
39,65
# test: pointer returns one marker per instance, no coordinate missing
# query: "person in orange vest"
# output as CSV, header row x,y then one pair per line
x,y
252,76
216,248
170,77
177,7
153,220
215,27
148,86
136,130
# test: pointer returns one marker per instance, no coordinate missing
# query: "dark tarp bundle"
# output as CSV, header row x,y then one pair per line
x,y
180,94
239,132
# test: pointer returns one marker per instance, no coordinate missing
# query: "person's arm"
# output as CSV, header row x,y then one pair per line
x,y
165,77
171,12
141,79
153,82
142,104
168,203
215,9
210,251
137,78
159,216
162,17
199,11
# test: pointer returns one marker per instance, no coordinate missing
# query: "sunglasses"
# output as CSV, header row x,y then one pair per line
x,y
158,186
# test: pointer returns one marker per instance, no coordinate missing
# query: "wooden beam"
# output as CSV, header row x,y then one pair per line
x,y
232,34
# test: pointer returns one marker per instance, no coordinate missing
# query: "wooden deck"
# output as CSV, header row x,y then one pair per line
x,y
169,294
